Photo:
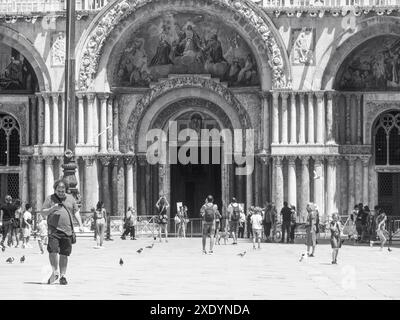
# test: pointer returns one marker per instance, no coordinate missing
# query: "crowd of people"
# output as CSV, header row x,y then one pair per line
x,y
53,226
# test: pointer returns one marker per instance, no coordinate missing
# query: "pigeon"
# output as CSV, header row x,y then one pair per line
x,y
10,260
390,250
22,260
121,262
242,254
302,257
140,250
149,247
3,248
155,238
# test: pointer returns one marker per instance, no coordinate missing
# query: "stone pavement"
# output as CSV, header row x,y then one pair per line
x,y
178,270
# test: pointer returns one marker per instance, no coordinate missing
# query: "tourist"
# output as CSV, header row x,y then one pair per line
x,y
26,225
311,228
162,205
242,224
93,212
381,228
17,232
217,224
274,220
286,214
58,208
42,232
100,223
184,220
7,212
248,222
336,231
367,227
256,223
267,221
293,221
224,227
130,223
208,212
234,218
359,221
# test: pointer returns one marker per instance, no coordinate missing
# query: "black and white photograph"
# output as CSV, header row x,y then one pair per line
x,y
204,150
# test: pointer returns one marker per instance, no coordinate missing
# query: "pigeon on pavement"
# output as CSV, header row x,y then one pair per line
x,y
10,260
140,250
242,254
149,247
302,257
121,262
22,260
389,249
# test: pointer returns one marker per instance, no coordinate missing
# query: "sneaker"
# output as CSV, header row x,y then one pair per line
x,y
63,281
204,252
17,246
53,278
310,255
42,251
211,252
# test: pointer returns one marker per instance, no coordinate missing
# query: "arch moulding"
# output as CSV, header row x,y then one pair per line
x,y
325,74
254,24
175,89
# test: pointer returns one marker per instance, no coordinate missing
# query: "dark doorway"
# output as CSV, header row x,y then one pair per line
x,y
191,183
389,191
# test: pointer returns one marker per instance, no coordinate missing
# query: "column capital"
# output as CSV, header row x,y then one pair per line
x,y
55,94
24,159
292,160
48,160
301,93
319,95
264,94
80,95
365,160
332,160
90,96
38,159
330,94
129,159
275,95
305,160
351,158
318,160
263,159
278,161
89,160
46,96
284,94
103,95
106,160
141,159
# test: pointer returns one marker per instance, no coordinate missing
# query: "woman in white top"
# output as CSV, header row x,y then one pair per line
x,y
100,215
26,225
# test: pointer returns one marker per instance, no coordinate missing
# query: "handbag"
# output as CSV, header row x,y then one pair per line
x,y
73,236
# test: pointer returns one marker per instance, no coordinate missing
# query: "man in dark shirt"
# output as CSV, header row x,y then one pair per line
x,y
286,214
7,212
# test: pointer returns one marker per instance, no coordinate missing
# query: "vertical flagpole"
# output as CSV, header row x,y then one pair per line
x,y
69,165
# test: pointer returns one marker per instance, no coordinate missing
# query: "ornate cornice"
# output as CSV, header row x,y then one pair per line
x,y
122,9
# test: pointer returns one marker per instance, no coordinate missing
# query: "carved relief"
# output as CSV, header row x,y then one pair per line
x,y
122,9
58,49
303,43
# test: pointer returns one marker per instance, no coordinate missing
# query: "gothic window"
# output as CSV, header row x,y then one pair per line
x,y
9,141
387,139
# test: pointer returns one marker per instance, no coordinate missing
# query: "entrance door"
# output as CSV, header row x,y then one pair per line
x,y
192,183
389,192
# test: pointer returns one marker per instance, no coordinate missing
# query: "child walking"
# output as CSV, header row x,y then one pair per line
x,y
256,224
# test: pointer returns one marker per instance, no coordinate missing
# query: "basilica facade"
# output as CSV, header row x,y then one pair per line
x,y
319,84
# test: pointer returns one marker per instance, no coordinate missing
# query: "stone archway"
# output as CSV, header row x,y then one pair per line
x,y
346,43
17,41
252,23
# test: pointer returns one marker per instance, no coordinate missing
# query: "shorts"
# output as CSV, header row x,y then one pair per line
x,y
59,242
234,226
26,232
257,233
208,228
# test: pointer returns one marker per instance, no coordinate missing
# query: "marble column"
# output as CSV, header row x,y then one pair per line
x,y
33,118
348,124
39,182
130,181
81,119
265,189
49,175
310,136
292,183
320,117
60,161
115,198
331,189
62,96
365,164
56,118
91,117
319,184
284,123
141,183
46,98
293,120
110,143
302,120
275,118
249,190
305,186
116,125
351,182
278,182
359,119
91,184
25,178
40,118
330,135
106,161
103,122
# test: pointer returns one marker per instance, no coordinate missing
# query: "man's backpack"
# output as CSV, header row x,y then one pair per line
x,y
209,214
235,213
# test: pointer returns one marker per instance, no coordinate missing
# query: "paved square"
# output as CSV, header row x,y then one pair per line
x,y
178,270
